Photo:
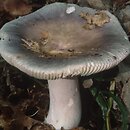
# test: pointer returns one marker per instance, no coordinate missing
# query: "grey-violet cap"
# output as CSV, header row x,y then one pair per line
x,y
62,45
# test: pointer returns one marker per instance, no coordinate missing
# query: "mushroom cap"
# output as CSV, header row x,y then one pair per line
x,y
68,48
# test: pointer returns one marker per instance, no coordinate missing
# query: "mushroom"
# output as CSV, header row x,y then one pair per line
x,y
53,44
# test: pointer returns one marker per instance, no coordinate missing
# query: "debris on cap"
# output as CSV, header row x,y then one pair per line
x,y
70,10
95,20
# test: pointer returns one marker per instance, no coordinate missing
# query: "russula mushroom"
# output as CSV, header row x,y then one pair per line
x,y
52,43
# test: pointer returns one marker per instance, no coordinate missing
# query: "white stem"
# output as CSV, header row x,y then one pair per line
x,y
65,104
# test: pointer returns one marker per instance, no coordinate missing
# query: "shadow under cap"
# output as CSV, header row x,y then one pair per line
x,y
70,50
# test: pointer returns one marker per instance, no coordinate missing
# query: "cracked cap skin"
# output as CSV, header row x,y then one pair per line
x,y
63,47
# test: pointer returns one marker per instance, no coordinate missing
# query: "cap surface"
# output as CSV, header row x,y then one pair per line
x,y
52,43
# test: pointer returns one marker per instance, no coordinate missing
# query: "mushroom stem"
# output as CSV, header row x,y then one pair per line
x,y
65,103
